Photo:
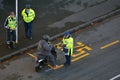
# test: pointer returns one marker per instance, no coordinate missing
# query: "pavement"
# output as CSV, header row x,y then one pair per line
x,y
95,57
85,15
43,22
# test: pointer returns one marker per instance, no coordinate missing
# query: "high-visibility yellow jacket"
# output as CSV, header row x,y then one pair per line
x,y
12,22
30,17
69,44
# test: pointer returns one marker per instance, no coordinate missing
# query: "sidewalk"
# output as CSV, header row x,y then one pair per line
x,y
89,13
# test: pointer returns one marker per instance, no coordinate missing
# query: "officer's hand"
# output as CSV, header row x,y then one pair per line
x,y
63,45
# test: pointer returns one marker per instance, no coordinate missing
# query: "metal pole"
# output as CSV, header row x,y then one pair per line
x,y
17,21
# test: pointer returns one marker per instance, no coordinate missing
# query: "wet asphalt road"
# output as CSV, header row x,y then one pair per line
x,y
101,63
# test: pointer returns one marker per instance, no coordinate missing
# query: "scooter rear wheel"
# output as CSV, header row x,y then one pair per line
x,y
37,69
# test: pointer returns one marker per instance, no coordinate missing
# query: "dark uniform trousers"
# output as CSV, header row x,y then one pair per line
x,y
11,35
68,58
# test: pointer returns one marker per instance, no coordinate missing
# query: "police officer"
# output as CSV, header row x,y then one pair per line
x,y
45,49
28,15
67,47
10,25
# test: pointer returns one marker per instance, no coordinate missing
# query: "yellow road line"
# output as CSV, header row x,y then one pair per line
x,y
76,46
80,43
33,56
88,48
79,50
110,44
78,54
50,66
76,59
85,47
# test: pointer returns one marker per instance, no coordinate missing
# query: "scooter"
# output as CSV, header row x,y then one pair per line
x,y
43,61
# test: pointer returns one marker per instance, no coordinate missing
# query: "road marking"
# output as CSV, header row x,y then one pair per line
x,y
85,47
76,46
110,44
33,56
115,77
80,57
80,44
88,48
78,54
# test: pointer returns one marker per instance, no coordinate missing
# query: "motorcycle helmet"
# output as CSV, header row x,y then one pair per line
x,y
46,37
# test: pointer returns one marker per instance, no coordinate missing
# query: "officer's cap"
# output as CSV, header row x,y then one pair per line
x,y
66,33
27,6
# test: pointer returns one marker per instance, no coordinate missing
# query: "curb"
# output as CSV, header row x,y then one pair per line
x,y
61,34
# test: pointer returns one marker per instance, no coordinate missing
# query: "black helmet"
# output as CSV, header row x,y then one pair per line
x,y
46,37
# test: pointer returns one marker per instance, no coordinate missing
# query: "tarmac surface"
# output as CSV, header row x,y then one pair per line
x,y
96,57
51,14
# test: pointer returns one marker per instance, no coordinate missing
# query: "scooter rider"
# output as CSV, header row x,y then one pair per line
x,y
45,49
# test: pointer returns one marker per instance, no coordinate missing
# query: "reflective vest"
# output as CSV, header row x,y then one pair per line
x,y
69,44
30,17
11,22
